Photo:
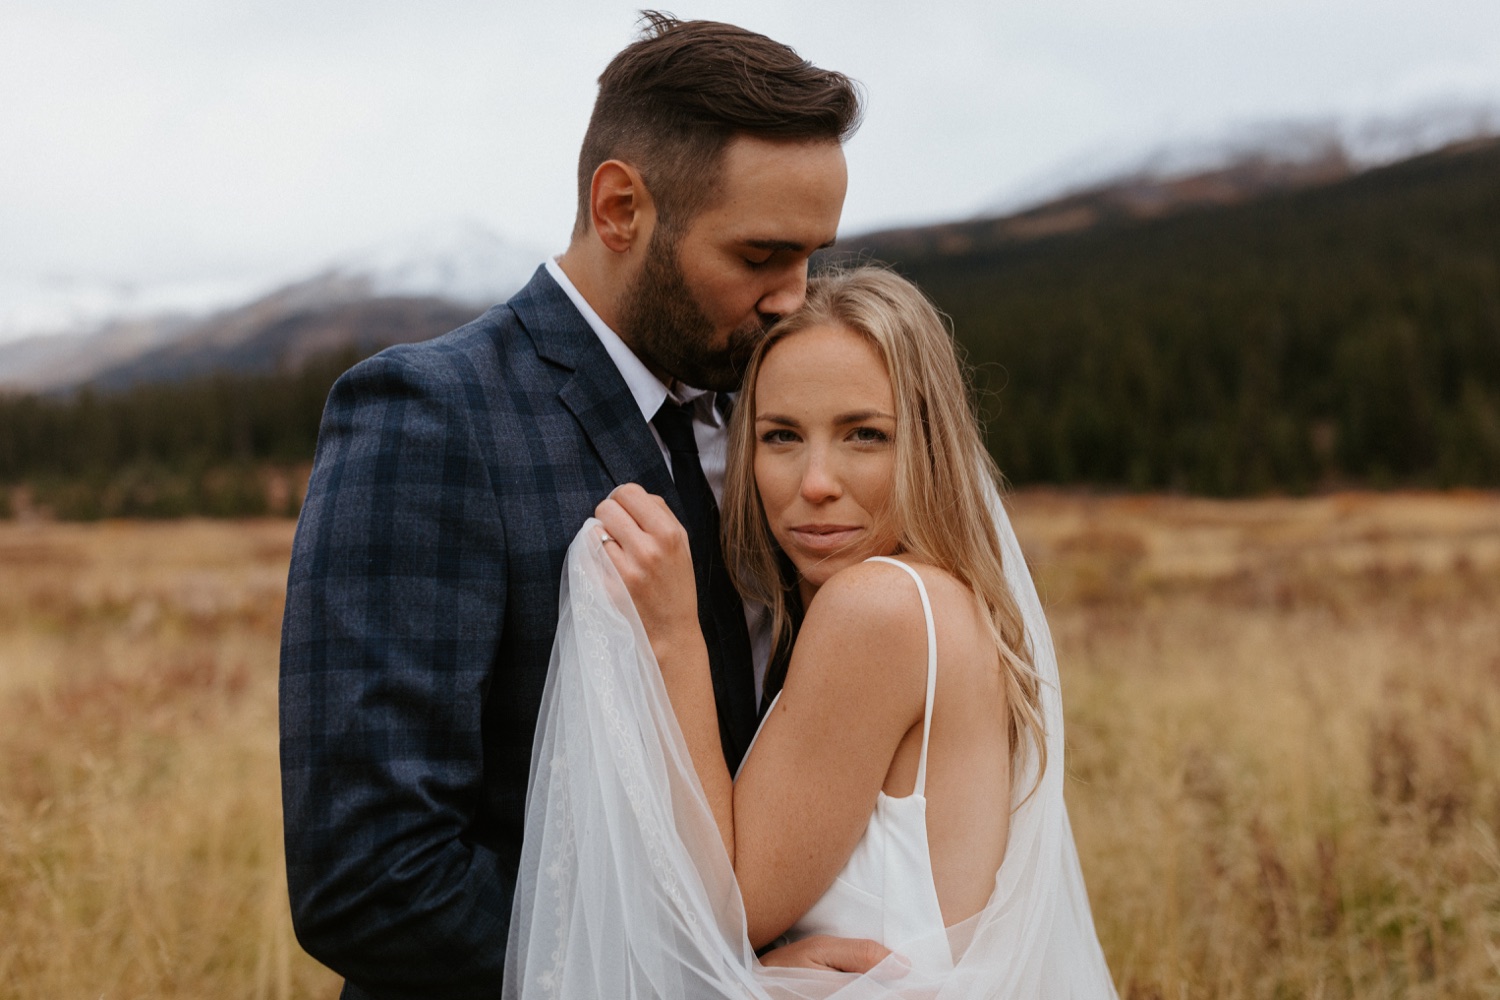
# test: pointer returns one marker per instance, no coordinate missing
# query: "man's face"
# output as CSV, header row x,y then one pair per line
x,y
706,295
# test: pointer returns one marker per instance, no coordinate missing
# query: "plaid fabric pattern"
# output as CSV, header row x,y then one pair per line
x,y
450,477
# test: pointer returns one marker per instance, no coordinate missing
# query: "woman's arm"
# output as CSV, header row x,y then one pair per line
x,y
650,550
854,688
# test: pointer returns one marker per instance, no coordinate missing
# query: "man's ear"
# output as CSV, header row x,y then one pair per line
x,y
622,210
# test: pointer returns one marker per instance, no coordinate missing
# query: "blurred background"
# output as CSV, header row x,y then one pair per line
x,y
1229,278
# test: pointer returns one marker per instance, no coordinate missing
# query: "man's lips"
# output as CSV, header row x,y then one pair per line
x,y
824,537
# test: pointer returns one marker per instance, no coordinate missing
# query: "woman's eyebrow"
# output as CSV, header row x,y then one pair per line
x,y
852,417
858,416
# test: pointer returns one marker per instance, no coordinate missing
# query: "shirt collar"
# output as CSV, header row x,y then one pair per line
x,y
646,389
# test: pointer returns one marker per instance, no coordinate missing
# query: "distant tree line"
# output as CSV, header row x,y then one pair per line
x,y
1344,335
223,445
1340,336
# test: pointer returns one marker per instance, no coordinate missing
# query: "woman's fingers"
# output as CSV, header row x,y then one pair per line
x,y
625,543
650,550
618,523
641,523
646,540
649,511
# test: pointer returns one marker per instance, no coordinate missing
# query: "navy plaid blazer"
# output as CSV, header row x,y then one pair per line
x,y
449,479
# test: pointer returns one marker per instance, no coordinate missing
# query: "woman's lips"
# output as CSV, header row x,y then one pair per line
x,y
824,538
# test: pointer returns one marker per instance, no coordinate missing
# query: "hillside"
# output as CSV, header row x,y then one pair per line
x,y
1257,330
411,286
271,336
1347,331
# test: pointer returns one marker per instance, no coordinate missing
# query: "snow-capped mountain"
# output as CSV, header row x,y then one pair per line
x,y
60,332
1316,147
80,304
461,261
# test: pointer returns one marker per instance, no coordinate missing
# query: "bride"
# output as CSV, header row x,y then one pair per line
x,y
905,786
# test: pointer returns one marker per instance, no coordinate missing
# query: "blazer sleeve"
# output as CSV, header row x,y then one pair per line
x,y
395,600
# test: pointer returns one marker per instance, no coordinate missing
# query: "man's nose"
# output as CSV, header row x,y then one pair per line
x,y
787,296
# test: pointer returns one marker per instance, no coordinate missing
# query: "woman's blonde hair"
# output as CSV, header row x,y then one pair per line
x,y
938,504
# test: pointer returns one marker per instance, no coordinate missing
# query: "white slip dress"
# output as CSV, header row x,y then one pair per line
x,y
885,892
625,890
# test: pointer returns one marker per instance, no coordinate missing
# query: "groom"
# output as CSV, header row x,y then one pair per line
x,y
451,475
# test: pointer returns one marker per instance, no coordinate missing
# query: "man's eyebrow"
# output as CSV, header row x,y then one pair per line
x,y
792,245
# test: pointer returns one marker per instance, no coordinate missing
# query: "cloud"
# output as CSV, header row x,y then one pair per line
x,y
167,139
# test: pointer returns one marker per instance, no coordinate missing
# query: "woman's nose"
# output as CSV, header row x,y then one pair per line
x,y
820,481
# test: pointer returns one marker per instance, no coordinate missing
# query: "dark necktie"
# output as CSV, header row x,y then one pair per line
x,y
719,609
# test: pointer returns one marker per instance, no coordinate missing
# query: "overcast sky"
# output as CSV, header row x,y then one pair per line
x,y
171,140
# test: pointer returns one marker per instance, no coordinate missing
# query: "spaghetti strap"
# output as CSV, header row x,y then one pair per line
x,y
921,785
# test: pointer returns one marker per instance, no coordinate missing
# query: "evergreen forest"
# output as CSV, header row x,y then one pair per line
x,y
1344,335
226,445
1334,336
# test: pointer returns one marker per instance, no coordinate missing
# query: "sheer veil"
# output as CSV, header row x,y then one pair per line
x,y
625,889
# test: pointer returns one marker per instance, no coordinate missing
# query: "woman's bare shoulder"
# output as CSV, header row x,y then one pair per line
x,y
881,601
875,583
872,593
874,606
870,615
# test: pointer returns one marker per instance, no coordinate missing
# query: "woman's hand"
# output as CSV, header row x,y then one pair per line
x,y
650,549
820,951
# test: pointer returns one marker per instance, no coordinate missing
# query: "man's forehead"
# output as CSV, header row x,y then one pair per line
x,y
776,196
779,167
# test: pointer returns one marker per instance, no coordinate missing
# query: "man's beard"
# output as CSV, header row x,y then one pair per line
x,y
663,323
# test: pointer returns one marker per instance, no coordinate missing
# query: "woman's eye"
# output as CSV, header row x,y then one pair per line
x,y
778,436
757,261
869,435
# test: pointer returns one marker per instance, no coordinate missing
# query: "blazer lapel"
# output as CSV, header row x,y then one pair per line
x,y
595,392
613,424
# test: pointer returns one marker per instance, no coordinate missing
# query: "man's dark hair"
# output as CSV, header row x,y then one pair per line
x,y
671,101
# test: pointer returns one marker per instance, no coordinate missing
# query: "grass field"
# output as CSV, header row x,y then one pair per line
x,y
1283,730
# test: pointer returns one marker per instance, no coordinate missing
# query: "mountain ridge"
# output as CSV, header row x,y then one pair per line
x,y
383,295
1319,334
460,263
1137,197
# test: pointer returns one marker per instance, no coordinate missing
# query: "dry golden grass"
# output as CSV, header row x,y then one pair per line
x,y
1284,738
1284,741
139,801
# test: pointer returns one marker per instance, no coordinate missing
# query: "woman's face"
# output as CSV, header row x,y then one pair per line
x,y
825,451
